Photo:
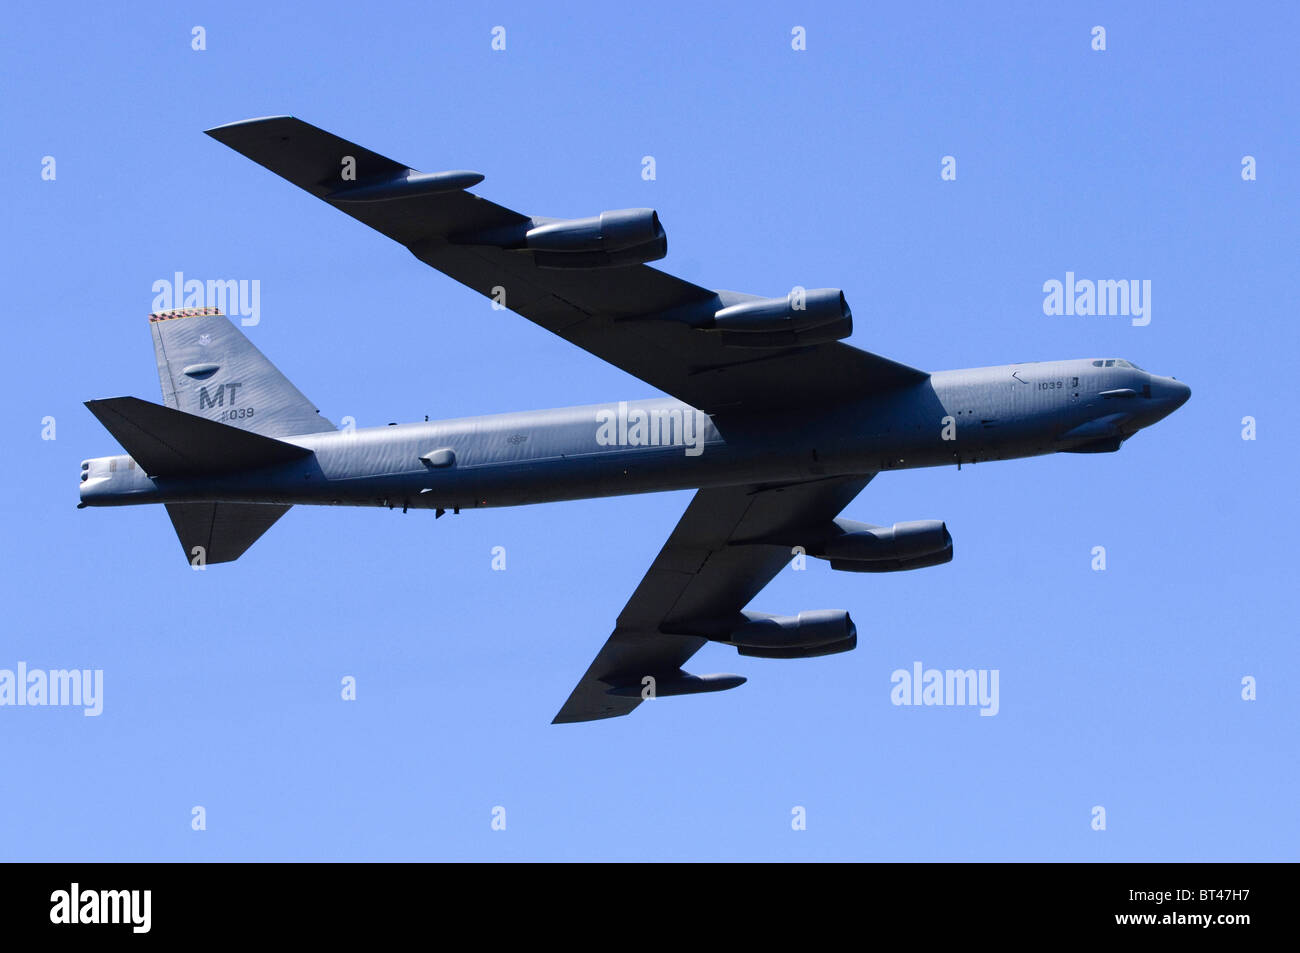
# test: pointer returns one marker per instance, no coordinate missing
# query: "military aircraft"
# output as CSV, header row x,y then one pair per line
x,y
774,421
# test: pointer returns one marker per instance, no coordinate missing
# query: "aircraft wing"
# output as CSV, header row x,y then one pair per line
x,y
633,316
710,568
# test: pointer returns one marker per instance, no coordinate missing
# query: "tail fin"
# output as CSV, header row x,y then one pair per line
x,y
171,443
207,367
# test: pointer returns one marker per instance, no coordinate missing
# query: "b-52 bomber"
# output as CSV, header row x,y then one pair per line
x,y
773,420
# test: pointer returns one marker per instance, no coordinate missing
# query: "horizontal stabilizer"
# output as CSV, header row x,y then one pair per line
x,y
221,532
167,442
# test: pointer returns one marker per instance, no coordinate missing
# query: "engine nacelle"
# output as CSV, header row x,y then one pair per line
x,y
815,651
893,565
900,541
625,237
861,547
812,317
798,636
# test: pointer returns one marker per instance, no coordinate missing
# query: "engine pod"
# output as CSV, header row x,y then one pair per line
x,y
812,629
800,318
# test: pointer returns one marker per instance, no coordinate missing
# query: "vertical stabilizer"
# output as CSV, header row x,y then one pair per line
x,y
207,367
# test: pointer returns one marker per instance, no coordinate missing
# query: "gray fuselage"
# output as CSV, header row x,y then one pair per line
x,y
952,417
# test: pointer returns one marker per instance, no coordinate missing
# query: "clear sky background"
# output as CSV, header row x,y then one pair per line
x,y
821,168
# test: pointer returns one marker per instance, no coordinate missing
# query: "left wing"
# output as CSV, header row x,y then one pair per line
x,y
653,325
710,568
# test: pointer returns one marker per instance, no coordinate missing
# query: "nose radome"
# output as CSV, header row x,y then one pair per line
x,y
1171,394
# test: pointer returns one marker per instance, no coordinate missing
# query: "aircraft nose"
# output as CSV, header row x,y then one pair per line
x,y
1169,394
1180,393
1174,393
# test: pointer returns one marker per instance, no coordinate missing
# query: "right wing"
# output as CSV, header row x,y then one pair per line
x,y
710,568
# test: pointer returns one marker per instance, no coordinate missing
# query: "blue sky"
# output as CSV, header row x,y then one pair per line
x,y
775,167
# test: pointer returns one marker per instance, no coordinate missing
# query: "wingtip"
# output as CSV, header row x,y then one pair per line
x,y
566,717
215,130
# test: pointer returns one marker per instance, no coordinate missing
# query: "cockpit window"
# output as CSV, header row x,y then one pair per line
x,y
1116,362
